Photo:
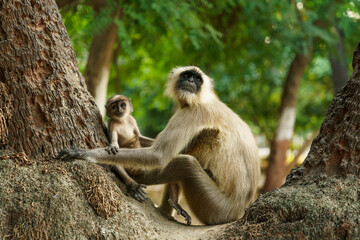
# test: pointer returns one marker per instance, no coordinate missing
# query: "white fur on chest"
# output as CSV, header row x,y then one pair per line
x,y
126,135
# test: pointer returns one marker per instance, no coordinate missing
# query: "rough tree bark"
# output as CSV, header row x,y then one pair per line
x,y
41,198
98,65
41,89
276,171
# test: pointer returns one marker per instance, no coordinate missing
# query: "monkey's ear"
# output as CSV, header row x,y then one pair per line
x,y
131,106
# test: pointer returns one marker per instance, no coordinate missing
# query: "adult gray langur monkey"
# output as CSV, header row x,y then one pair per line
x,y
205,149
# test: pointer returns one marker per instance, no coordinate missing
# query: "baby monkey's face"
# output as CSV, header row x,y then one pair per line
x,y
118,106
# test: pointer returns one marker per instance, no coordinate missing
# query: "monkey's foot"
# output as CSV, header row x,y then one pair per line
x,y
180,211
71,154
137,191
112,149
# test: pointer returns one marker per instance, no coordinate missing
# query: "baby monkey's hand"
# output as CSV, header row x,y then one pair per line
x,y
112,149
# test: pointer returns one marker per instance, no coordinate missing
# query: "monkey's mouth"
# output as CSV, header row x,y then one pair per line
x,y
186,87
119,114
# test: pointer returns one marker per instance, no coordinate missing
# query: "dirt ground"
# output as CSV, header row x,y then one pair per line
x,y
155,193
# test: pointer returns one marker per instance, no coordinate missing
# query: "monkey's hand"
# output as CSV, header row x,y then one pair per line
x,y
112,149
180,211
137,191
71,154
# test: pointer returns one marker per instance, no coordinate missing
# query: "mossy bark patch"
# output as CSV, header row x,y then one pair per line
x,y
20,159
326,207
100,190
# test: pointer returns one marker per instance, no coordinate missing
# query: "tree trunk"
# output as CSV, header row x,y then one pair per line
x,y
41,89
117,70
98,65
338,63
276,171
51,199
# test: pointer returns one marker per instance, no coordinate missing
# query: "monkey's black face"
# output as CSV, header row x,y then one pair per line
x,y
117,108
189,81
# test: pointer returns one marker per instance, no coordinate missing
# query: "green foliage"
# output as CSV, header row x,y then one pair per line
x,y
315,95
246,46
79,25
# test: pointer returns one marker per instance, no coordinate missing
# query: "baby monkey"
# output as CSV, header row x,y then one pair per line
x,y
124,132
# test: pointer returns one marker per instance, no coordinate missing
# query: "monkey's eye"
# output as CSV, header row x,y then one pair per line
x,y
198,80
186,75
113,106
123,105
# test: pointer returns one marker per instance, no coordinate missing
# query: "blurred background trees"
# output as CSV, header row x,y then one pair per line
x,y
265,56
